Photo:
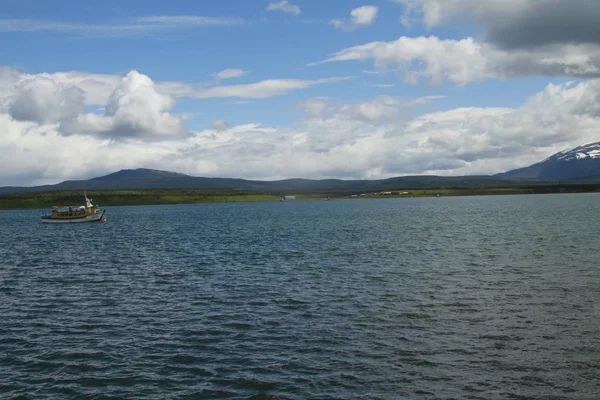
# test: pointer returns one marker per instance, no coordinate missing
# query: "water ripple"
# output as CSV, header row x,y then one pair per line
x,y
464,298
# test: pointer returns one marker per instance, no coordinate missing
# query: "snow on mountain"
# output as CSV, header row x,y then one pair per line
x,y
579,164
589,150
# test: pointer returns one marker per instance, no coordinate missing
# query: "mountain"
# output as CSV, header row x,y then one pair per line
x,y
155,179
579,164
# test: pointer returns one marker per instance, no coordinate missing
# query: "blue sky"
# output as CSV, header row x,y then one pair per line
x,y
397,86
267,44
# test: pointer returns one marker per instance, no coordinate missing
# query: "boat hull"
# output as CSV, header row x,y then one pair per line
x,y
76,220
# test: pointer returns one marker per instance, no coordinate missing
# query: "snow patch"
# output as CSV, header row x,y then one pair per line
x,y
594,153
588,150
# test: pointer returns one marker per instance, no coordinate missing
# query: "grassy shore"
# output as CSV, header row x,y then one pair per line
x,y
483,191
130,197
449,192
192,196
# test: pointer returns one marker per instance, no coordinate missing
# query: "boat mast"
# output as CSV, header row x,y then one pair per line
x,y
88,202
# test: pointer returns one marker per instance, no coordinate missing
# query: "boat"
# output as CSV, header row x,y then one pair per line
x,y
75,214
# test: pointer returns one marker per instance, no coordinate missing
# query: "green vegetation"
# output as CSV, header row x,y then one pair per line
x,y
452,192
191,196
486,190
130,197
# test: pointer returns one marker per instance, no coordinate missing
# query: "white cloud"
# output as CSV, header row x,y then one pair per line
x,y
360,16
463,61
330,123
134,109
133,106
285,7
185,21
364,15
9,78
32,154
374,138
255,90
262,89
44,100
230,73
497,139
97,88
132,27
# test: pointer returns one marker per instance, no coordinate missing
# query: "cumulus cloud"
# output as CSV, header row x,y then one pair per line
x,y
492,139
374,138
95,88
360,16
366,140
135,109
284,6
230,73
463,61
45,100
516,23
98,88
32,154
9,78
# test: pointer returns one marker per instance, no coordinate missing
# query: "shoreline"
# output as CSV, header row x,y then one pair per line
x,y
107,198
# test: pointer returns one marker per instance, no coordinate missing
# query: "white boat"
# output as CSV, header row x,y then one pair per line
x,y
75,214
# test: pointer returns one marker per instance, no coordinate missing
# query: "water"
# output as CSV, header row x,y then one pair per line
x,y
449,298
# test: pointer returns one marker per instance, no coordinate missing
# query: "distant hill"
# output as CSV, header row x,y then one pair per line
x,y
579,164
155,179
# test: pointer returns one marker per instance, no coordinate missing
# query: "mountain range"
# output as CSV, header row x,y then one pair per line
x,y
581,164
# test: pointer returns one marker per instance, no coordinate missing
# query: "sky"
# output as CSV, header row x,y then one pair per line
x,y
275,89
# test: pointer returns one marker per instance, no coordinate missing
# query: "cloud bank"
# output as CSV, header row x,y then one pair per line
x,y
512,24
374,138
435,60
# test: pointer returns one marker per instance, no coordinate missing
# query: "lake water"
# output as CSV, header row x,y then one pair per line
x,y
434,298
